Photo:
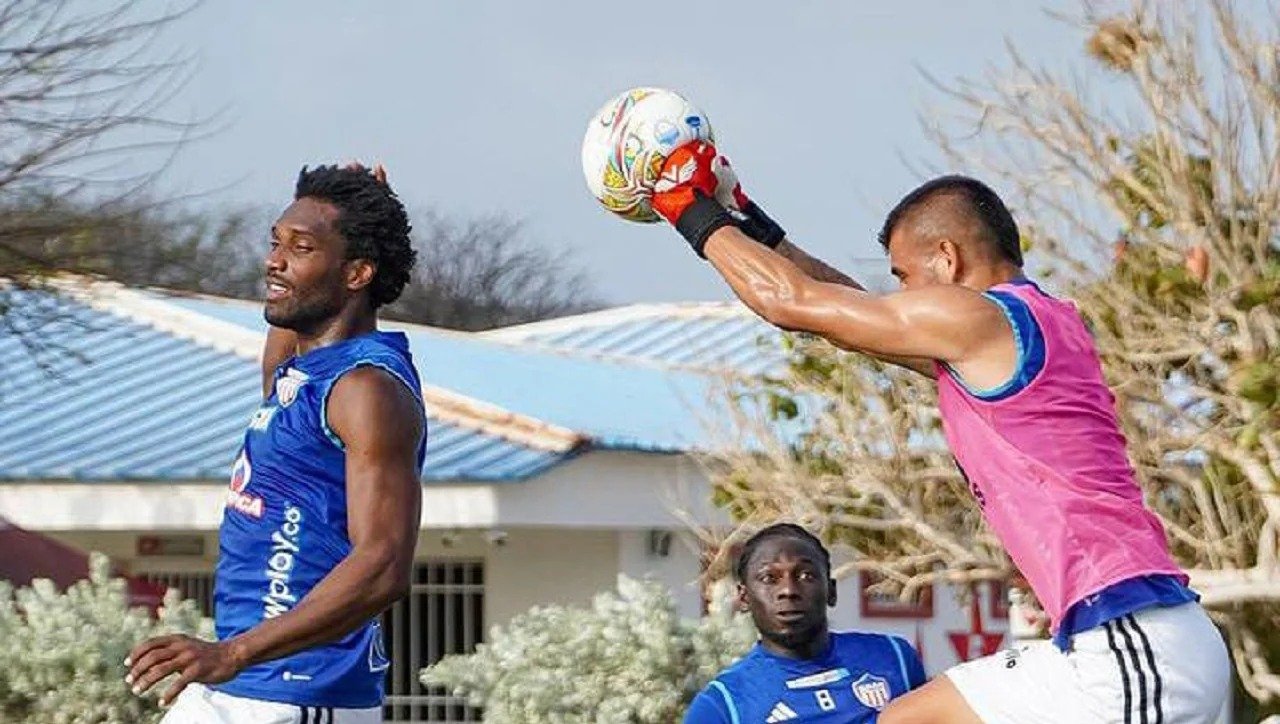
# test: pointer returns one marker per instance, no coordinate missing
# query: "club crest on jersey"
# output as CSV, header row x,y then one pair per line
x,y
872,691
237,498
378,660
287,386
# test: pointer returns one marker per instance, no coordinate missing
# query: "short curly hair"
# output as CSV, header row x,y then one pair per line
x,y
371,219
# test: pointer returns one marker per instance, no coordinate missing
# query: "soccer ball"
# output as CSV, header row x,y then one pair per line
x,y
627,142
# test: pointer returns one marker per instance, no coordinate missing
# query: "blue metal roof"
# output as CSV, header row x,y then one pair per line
x,y
612,400
712,336
123,401
120,400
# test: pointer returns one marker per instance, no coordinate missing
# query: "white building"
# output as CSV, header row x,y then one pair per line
x,y
553,446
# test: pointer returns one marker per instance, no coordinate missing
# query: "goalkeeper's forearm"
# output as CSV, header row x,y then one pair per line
x,y
815,267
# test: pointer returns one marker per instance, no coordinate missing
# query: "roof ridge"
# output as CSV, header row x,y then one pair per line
x,y
465,411
134,304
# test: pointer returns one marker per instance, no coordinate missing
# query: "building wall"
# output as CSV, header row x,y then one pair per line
x,y
531,566
678,569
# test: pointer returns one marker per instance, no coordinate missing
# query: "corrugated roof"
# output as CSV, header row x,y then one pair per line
x,y
715,336
123,400
616,401
160,386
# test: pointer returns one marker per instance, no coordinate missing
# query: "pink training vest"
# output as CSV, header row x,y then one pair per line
x,y
1048,465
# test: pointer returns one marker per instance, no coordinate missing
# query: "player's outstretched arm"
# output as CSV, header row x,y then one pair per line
x,y
699,193
937,323
380,424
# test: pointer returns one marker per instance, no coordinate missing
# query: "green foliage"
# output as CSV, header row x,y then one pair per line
x,y
628,658
64,653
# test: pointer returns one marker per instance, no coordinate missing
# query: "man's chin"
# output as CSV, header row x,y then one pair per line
x,y
279,317
794,635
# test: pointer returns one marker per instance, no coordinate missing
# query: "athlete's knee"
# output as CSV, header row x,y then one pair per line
x,y
937,702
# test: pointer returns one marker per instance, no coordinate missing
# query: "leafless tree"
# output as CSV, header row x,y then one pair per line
x,y
83,90
483,273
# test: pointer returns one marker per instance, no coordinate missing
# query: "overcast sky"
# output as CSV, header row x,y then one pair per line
x,y
480,106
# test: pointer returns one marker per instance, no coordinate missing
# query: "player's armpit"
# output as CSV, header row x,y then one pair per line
x,y
919,365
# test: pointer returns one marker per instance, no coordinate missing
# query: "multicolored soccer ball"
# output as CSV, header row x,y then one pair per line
x,y
627,142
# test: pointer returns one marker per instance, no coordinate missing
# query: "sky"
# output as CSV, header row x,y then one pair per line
x,y
479,107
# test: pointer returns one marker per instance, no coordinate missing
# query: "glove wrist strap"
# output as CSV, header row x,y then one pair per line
x,y
700,220
760,227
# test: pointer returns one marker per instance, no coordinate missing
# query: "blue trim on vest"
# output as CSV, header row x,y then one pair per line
x,y
1121,599
1029,340
728,701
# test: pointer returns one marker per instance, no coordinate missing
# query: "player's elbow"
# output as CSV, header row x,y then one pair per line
x,y
785,307
780,305
390,572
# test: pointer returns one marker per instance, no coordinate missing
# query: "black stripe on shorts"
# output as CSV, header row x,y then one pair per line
x,y
1151,663
1124,674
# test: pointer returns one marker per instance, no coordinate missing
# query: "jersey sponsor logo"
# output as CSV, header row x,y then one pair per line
x,y
873,691
819,679
237,498
287,386
284,547
781,712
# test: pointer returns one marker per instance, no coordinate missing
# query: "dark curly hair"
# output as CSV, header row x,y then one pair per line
x,y
372,221
778,530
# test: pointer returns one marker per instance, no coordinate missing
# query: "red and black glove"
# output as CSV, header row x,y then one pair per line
x,y
755,222
685,194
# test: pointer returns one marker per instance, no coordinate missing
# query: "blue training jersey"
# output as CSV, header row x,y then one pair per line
x,y
849,682
285,527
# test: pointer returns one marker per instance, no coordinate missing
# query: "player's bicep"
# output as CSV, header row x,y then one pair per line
x,y
937,323
380,424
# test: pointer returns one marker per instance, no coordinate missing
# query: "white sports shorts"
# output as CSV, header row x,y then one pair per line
x,y
199,704
1164,665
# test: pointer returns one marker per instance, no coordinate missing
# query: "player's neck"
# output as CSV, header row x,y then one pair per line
x,y
811,649
351,322
984,278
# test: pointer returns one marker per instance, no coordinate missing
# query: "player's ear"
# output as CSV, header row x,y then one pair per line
x,y
740,601
949,263
359,273
831,593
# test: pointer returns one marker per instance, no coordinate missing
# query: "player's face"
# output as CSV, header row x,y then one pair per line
x,y
787,591
921,263
305,266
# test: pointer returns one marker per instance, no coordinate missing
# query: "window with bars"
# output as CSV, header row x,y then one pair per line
x,y
442,615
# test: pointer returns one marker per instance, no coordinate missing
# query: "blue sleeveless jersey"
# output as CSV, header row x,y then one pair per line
x,y
851,681
285,527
